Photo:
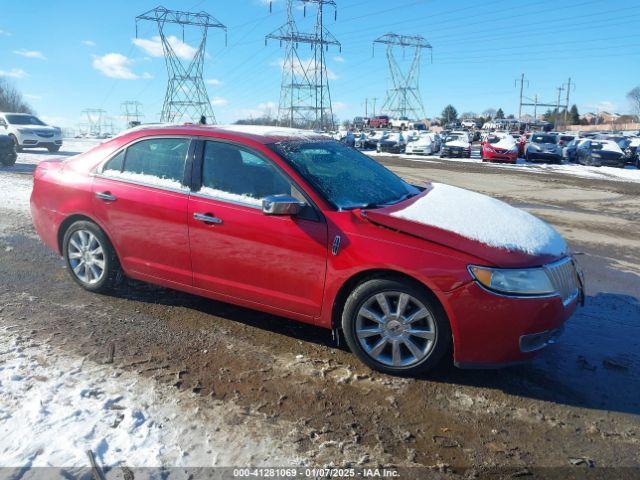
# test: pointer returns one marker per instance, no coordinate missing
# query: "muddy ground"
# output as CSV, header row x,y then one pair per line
x,y
577,405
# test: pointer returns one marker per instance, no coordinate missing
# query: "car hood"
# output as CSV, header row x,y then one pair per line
x,y
38,128
487,228
457,143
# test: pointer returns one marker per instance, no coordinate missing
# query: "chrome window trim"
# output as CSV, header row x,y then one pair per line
x,y
225,200
184,190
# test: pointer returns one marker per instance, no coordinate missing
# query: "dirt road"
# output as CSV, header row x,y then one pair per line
x,y
576,405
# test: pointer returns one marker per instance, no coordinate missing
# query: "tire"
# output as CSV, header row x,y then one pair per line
x,y
401,352
74,243
8,160
54,149
15,142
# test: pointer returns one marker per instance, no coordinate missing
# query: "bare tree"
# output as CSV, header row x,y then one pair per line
x,y
634,97
11,99
489,113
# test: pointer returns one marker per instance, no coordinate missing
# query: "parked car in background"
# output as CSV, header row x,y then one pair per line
x,y
543,146
402,123
365,142
8,154
628,147
393,142
301,226
28,131
569,151
360,122
379,121
600,153
499,147
423,145
565,138
456,145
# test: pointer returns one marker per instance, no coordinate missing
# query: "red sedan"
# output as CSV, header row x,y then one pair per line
x,y
304,227
499,147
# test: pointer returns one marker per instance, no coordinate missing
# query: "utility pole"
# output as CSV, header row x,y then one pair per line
x,y
366,106
305,98
557,116
374,105
535,107
522,81
403,98
569,85
186,98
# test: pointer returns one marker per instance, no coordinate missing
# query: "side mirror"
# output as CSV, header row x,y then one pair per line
x,y
281,205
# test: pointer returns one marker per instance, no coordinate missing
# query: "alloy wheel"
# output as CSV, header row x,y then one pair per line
x,y
395,329
86,257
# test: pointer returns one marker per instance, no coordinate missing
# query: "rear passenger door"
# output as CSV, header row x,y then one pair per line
x,y
272,262
141,199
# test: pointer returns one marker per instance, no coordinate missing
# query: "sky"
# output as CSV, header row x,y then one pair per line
x,y
70,55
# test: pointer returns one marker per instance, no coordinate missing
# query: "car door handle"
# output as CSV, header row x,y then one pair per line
x,y
106,196
207,218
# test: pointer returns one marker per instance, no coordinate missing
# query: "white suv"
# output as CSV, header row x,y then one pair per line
x,y
28,131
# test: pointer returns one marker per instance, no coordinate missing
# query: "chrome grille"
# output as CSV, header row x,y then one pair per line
x,y
564,278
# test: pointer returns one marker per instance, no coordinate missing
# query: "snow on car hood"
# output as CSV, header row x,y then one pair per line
x,y
476,224
504,142
457,143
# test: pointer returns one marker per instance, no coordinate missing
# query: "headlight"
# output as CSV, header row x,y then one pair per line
x,y
527,281
513,149
24,130
534,146
596,155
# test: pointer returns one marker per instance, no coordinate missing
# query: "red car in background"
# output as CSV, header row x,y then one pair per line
x,y
499,147
299,225
380,121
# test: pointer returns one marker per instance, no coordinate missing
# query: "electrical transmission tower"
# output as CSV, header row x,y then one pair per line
x,y
305,98
131,113
186,98
403,97
95,120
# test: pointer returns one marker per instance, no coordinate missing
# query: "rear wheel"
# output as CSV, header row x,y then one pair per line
x,y
16,143
90,257
395,327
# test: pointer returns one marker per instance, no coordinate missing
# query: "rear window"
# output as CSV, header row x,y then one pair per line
x,y
544,138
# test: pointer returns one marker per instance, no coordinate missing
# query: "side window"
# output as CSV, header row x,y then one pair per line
x,y
232,173
114,166
157,161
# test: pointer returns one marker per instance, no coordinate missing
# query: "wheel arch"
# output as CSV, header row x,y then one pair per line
x,y
76,217
380,273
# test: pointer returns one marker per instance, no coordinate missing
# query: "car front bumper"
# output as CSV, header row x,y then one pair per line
x,y
556,157
491,330
31,140
455,152
500,157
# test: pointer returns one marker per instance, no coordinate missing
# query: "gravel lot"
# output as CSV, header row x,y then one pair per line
x,y
286,390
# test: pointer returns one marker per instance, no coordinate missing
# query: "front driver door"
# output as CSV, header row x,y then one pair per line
x,y
277,262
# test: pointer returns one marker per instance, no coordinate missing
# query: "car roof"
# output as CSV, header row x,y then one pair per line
x,y
257,133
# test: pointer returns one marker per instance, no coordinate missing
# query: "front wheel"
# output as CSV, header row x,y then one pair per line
x,y
53,149
90,257
395,327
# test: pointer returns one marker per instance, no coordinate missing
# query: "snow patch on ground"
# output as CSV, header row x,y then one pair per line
x,y
485,219
54,407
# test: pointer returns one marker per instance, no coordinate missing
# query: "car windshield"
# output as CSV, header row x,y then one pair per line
x,y
544,139
24,120
343,176
451,138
